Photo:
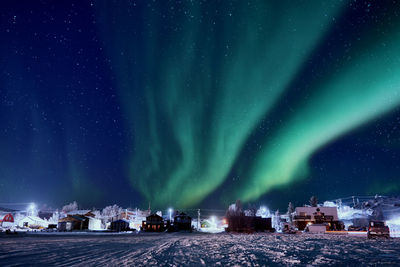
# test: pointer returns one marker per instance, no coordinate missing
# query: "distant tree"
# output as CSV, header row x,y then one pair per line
x,y
70,207
239,206
377,214
277,214
313,201
252,210
290,211
263,212
55,217
111,212
235,209
97,213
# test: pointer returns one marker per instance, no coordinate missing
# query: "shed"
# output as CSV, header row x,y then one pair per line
x,y
73,222
120,225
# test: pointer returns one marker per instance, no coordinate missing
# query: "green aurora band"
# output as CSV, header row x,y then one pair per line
x,y
205,86
366,87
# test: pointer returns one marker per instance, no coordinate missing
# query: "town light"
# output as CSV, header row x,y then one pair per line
x,y
32,209
170,213
263,210
213,222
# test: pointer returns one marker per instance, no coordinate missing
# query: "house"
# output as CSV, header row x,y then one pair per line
x,y
153,223
182,221
317,215
120,225
135,217
33,222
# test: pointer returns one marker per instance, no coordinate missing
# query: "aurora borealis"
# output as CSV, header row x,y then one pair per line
x,y
199,103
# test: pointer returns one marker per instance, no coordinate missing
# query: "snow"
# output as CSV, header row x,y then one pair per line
x,y
394,226
346,213
33,220
390,210
94,224
178,249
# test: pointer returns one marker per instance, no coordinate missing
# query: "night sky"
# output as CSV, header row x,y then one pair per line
x,y
198,103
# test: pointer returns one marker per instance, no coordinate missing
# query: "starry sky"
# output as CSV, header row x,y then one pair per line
x,y
198,103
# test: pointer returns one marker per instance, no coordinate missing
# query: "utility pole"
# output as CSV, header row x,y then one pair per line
x,y
198,219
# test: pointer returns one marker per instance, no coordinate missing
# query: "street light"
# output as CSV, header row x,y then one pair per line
x,y
170,214
263,210
213,222
32,208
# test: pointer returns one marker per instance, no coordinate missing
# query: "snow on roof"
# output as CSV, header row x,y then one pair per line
x,y
34,219
78,212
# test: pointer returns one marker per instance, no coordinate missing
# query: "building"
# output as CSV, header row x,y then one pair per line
x,y
87,213
7,221
135,217
94,224
153,223
248,224
81,221
33,222
317,215
120,225
182,221
73,222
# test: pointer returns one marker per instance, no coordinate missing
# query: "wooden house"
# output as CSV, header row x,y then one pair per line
x,y
153,223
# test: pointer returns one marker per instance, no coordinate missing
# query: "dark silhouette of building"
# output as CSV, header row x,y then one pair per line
x,y
182,221
119,225
153,223
248,224
73,222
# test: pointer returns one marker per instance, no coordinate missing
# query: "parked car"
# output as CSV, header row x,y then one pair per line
x,y
378,229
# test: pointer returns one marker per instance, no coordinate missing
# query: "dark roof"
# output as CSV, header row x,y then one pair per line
x,y
182,214
72,218
154,215
120,220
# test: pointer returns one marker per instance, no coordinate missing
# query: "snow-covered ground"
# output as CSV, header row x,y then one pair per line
x,y
182,249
